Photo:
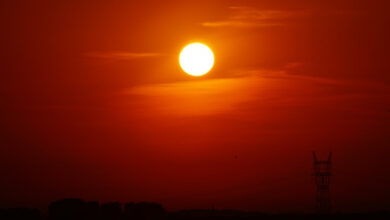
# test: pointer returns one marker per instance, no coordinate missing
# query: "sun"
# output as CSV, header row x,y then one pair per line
x,y
196,59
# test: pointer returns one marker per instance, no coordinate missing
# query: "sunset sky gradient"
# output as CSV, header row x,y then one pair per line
x,y
95,105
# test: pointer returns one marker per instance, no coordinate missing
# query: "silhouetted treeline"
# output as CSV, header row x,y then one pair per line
x,y
77,209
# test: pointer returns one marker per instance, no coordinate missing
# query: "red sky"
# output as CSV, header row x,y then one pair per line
x,y
94,103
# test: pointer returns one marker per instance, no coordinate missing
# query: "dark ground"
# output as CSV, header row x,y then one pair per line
x,y
77,209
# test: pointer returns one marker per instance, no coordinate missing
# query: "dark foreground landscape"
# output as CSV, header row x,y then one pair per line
x,y
77,209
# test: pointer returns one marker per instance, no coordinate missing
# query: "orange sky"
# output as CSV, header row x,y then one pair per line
x,y
94,103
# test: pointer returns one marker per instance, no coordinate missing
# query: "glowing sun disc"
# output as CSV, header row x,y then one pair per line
x,y
196,59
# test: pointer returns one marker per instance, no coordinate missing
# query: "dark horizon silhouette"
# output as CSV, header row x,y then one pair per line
x,y
78,209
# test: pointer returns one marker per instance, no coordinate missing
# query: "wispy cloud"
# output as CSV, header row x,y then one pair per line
x,y
191,98
120,55
246,17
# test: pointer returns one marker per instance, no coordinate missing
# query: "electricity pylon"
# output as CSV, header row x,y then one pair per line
x,y
322,174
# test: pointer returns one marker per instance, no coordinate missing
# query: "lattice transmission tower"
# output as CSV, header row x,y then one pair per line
x,y
322,174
